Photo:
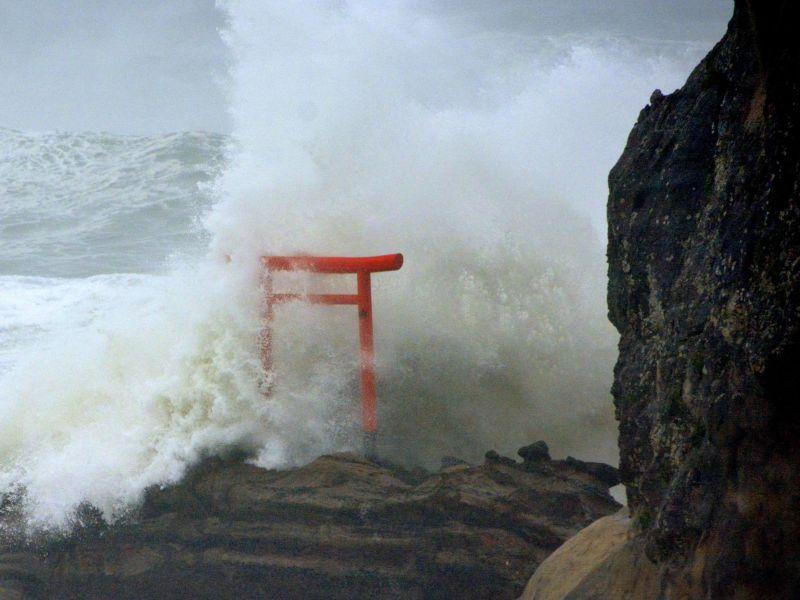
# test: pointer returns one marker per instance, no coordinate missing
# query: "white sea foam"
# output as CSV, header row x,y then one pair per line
x,y
360,128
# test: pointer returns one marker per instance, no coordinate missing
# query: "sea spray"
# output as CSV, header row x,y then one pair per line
x,y
99,413
480,155
360,128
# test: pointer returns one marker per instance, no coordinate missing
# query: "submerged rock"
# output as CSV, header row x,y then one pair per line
x,y
339,527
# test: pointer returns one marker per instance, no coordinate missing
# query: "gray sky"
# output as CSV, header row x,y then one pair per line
x,y
129,66
147,66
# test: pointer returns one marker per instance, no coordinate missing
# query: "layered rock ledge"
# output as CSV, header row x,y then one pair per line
x,y
339,527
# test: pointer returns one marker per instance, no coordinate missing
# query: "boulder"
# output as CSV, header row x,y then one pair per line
x,y
534,453
569,565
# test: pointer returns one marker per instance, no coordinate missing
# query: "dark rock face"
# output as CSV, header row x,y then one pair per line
x,y
340,527
704,288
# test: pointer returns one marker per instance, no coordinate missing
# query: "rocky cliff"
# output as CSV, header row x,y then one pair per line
x,y
704,288
340,527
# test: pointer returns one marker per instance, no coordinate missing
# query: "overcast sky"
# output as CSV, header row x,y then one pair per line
x,y
147,66
139,66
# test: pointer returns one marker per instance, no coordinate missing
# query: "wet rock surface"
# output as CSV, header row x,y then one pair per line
x,y
339,527
704,288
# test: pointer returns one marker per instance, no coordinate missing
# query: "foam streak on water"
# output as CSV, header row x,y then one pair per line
x,y
128,349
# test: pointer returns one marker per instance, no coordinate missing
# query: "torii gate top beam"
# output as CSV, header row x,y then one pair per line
x,y
334,264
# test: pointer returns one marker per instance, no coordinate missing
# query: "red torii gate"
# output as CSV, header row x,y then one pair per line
x,y
362,267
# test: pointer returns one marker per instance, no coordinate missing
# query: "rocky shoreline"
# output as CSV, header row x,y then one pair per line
x,y
339,527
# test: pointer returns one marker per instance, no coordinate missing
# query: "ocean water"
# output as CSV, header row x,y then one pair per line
x,y
85,216
129,345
